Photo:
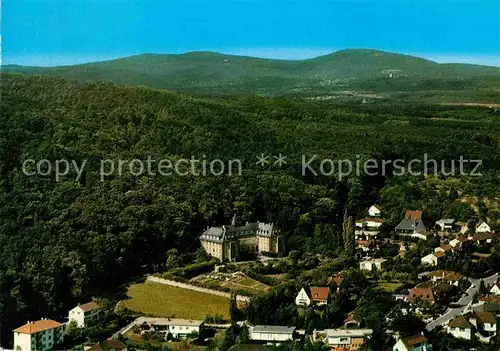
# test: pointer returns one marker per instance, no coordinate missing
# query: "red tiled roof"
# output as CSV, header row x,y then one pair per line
x,y
486,317
414,340
490,298
319,293
415,215
89,306
438,254
38,326
424,294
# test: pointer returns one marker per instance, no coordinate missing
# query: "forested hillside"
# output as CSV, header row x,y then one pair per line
x,y
345,70
62,242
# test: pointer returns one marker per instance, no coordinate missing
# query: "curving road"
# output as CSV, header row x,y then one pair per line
x,y
464,301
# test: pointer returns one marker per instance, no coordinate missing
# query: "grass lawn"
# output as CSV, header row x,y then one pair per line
x,y
389,287
234,282
159,300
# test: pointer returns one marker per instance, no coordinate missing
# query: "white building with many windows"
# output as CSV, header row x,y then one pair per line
x,y
271,333
39,335
82,314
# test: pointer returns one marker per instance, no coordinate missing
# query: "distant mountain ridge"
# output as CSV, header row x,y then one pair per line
x,y
212,72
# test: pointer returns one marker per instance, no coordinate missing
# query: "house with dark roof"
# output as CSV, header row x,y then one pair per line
x,y
411,223
450,277
412,343
224,242
460,328
82,314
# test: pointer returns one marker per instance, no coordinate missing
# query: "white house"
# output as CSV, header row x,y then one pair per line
x,y
495,290
368,265
483,321
374,211
445,224
302,298
460,328
347,339
483,228
271,333
412,343
38,335
82,314
432,259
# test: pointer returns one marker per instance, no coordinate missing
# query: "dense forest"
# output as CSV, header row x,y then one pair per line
x,y
62,242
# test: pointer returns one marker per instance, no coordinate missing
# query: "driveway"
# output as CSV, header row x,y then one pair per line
x,y
464,301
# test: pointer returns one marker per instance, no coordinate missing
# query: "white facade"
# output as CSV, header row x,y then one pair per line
x,y
460,333
271,333
369,264
180,330
483,228
400,346
34,336
302,299
373,211
82,316
430,259
349,339
495,289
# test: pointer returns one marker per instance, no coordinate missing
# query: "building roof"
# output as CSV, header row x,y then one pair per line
x,y
38,326
480,224
411,341
497,285
415,215
424,294
490,298
486,317
411,224
348,332
483,236
371,219
446,275
460,322
438,254
274,329
338,279
319,293
445,221
446,247
109,344
89,306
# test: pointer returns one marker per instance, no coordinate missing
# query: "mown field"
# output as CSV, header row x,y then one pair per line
x,y
158,300
235,282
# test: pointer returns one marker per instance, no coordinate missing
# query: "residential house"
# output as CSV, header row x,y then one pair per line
x,y
351,322
412,343
38,335
452,278
483,227
347,339
271,333
108,345
367,228
485,322
445,225
319,295
375,211
460,328
368,265
461,243
490,303
433,258
302,298
316,295
178,328
337,280
495,289
411,223
82,314
482,238
422,235
421,294
444,248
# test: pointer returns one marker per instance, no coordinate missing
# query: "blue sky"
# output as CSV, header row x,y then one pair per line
x,y
56,32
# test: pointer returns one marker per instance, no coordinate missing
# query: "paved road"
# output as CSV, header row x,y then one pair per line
x,y
464,302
